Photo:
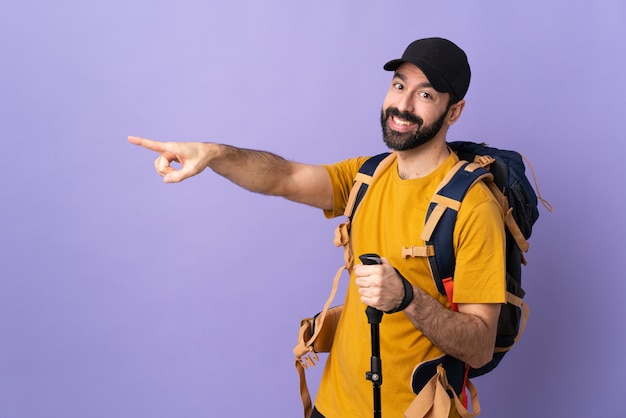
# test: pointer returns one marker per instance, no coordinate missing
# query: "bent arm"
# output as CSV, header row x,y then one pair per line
x,y
468,334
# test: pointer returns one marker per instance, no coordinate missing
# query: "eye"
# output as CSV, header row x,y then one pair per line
x,y
398,86
425,95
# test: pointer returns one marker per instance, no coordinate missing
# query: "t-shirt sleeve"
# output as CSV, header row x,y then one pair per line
x,y
480,271
342,177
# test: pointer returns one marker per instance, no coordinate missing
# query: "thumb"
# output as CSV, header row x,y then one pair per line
x,y
176,176
384,261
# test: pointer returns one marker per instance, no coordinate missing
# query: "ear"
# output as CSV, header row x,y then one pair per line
x,y
455,112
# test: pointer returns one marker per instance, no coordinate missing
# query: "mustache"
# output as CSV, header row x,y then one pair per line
x,y
394,111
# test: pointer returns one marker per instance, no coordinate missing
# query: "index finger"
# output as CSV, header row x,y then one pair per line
x,y
148,143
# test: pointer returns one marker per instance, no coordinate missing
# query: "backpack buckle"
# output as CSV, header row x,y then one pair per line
x,y
309,360
422,251
484,160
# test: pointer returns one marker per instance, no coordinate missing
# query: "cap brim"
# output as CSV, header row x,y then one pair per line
x,y
438,82
393,64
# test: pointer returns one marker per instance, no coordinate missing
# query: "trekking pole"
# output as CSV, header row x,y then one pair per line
x,y
374,316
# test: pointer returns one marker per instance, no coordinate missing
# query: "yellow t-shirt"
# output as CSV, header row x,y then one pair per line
x,y
391,216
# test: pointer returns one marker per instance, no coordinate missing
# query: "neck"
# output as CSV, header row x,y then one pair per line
x,y
423,160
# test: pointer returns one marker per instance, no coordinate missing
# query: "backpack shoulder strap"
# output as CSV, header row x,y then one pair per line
x,y
364,178
441,216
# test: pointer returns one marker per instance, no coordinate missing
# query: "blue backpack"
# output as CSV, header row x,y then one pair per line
x,y
504,172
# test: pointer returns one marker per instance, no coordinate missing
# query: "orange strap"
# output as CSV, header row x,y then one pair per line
x,y
448,284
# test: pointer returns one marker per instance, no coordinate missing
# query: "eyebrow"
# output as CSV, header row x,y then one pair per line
x,y
402,77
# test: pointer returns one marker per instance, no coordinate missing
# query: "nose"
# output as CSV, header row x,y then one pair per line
x,y
405,103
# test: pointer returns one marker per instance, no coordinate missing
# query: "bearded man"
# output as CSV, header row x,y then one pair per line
x,y
425,98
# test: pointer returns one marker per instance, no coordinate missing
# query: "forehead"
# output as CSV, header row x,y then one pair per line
x,y
410,73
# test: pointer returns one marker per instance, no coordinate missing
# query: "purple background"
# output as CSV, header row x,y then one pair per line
x,y
124,297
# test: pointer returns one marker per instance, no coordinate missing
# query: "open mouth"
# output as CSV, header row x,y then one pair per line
x,y
401,124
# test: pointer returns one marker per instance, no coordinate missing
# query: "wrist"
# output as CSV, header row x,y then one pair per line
x,y
407,298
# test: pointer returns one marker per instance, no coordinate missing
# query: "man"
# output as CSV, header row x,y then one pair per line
x,y
424,99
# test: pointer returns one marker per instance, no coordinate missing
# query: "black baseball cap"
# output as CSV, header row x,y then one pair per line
x,y
443,62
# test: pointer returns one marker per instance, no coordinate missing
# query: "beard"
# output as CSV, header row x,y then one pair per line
x,y
403,141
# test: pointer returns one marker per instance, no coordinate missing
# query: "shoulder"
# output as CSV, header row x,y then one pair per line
x,y
343,172
481,210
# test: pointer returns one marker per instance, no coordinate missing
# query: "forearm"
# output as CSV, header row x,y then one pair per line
x,y
466,336
267,173
256,171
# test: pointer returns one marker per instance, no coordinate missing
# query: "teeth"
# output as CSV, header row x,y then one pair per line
x,y
401,122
